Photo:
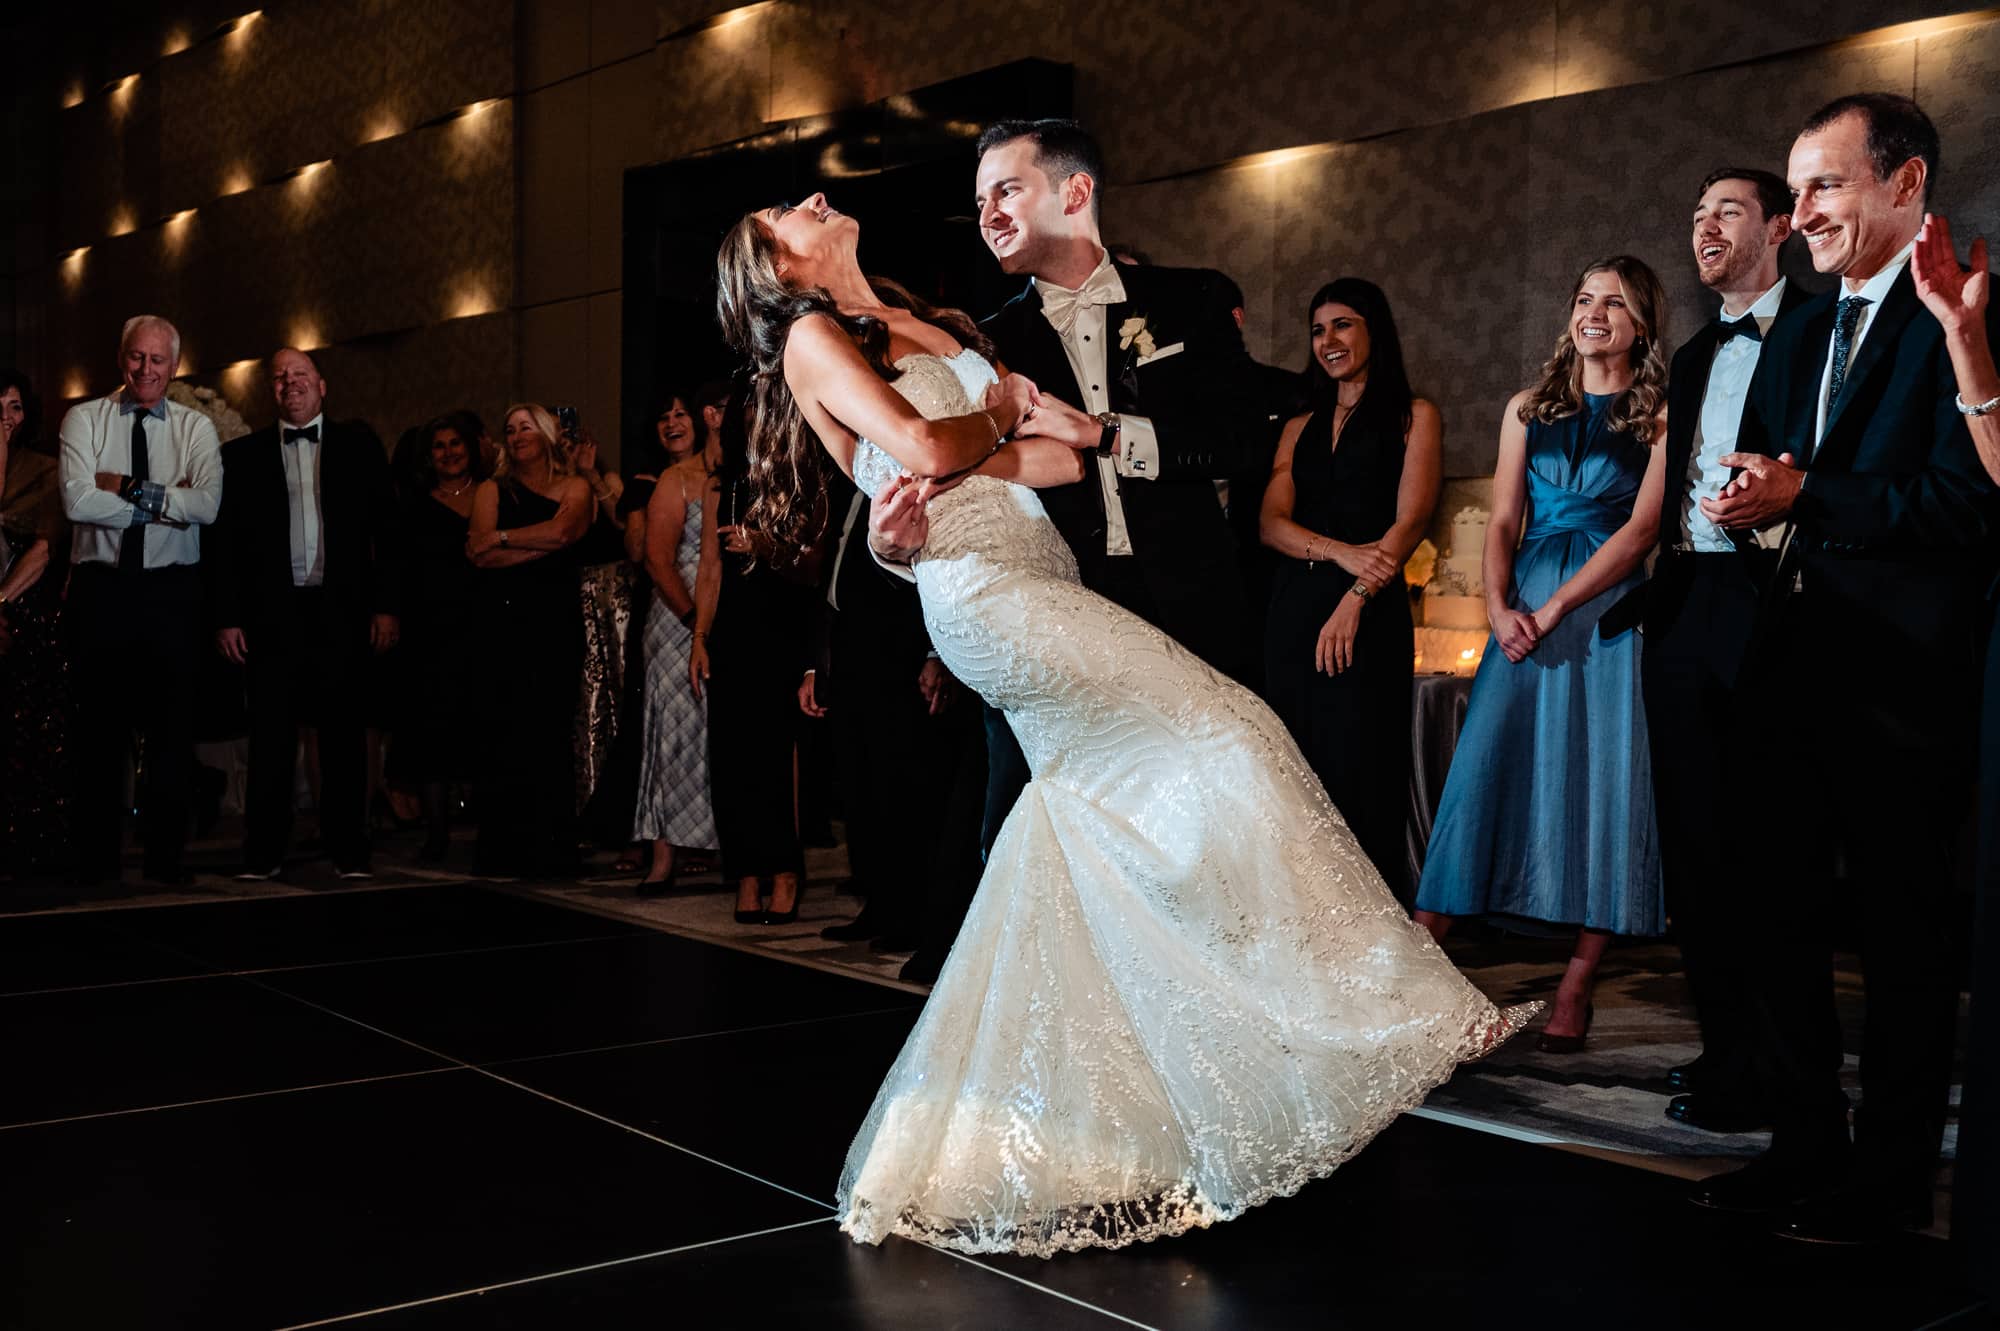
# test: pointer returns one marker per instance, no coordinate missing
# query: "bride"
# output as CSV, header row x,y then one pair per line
x,y
1181,990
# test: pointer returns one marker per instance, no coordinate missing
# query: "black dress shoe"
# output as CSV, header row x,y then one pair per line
x,y
1712,1113
1853,1216
1764,1186
1683,1078
857,930
923,968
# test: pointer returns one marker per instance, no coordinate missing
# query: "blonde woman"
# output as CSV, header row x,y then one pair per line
x,y
525,522
1548,812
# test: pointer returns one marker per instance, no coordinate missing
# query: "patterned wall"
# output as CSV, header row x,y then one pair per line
x,y
1467,155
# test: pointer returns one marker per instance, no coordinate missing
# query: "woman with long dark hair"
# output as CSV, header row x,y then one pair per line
x,y
1547,814
34,667
1180,990
1352,489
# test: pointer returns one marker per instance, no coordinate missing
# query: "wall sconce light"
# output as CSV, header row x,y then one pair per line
x,y
74,94
177,41
304,335
75,385
72,266
175,230
473,297
242,24
119,95
385,125
237,181
122,222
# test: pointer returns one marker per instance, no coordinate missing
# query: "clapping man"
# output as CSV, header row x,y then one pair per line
x,y
140,477
301,590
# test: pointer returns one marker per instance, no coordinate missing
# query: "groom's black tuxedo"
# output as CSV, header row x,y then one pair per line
x,y
1865,675
1205,403
1700,608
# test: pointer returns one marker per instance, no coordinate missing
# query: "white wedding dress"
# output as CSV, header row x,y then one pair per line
x,y
1181,989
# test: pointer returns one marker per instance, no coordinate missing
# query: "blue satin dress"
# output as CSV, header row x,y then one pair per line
x,y
1547,812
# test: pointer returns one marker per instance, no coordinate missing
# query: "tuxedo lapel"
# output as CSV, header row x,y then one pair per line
x,y
1898,308
1121,363
1037,351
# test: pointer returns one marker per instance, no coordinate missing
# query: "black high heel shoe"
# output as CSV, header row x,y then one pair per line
x,y
659,887
756,916
1568,1044
786,916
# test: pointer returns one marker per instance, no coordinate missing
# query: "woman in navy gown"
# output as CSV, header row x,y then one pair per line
x,y
1548,810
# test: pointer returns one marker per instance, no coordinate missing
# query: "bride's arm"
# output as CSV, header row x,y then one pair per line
x,y
830,380
1039,464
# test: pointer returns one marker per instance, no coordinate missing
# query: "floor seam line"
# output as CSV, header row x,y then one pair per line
x,y
223,1099
554,1100
698,1035
305,966
1053,1293
551,1275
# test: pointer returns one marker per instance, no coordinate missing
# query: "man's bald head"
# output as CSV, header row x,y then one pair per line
x,y
296,383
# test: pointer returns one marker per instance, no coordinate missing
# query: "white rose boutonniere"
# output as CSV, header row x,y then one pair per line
x,y
1134,330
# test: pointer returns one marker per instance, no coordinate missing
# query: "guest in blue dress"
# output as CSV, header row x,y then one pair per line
x,y
1548,810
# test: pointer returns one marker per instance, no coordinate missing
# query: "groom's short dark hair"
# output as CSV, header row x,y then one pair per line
x,y
1063,148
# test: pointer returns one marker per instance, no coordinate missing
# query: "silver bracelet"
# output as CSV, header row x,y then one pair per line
x,y
1990,405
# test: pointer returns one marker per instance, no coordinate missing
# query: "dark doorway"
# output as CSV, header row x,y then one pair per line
x,y
903,166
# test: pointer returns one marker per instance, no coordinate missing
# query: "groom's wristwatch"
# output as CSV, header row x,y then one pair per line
x,y
1108,440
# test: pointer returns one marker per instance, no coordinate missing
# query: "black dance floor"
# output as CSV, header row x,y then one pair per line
x,y
447,1106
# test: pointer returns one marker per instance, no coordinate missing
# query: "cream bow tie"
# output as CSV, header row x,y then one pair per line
x,y
1060,304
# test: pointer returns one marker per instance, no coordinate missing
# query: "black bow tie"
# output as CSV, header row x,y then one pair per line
x,y
303,432
1744,327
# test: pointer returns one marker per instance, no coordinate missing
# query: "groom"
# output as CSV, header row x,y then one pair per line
x,y
1143,368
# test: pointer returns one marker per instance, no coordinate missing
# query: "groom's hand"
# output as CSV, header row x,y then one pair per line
x,y
1053,418
898,523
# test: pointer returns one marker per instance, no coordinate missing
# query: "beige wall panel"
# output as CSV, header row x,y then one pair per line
x,y
714,86
1199,82
1606,43
621,28
555,175
599,395
621,136
555,41
884,47
555,352
1957,76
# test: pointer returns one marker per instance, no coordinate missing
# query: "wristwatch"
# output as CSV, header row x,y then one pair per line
x,y
1108,440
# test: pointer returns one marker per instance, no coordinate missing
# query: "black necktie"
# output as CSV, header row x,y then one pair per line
x,y
132,547
303,432
1744,327
1845,320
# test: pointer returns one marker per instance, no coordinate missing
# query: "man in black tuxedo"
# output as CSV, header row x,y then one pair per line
x,y
302,587
1144,367
1700,606
910,757
1864,686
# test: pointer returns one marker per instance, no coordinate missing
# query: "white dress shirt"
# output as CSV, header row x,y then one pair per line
x,y
1138,453
1872,291
183,456
302,485
1721,416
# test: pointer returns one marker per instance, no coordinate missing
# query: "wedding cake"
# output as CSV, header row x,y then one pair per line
x,y
1455,597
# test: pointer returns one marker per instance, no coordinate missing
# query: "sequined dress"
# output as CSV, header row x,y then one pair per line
x,y
1181,989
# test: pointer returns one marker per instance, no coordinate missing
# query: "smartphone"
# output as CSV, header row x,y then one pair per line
x,y
566,420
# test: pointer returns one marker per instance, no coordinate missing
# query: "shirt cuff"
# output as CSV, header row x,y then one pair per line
x,y
1138,452
903,571
150,500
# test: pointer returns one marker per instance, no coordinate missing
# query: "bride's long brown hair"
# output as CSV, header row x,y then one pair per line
x,y
786,465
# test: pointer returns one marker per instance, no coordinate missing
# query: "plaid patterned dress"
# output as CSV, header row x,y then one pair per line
x,y
673,765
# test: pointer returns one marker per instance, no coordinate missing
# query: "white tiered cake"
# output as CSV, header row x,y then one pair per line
x,y
1456,595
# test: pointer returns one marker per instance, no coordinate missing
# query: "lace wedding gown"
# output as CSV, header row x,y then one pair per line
x,y
1181,989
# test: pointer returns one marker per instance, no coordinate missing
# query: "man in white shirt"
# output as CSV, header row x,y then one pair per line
x,y
302,587
1856,716
141,476
1700,606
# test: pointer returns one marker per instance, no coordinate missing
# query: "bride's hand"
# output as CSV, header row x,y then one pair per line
x,y
1053,418
898,524
1011,398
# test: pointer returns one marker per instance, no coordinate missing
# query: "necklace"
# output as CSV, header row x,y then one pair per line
x,y
444,489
